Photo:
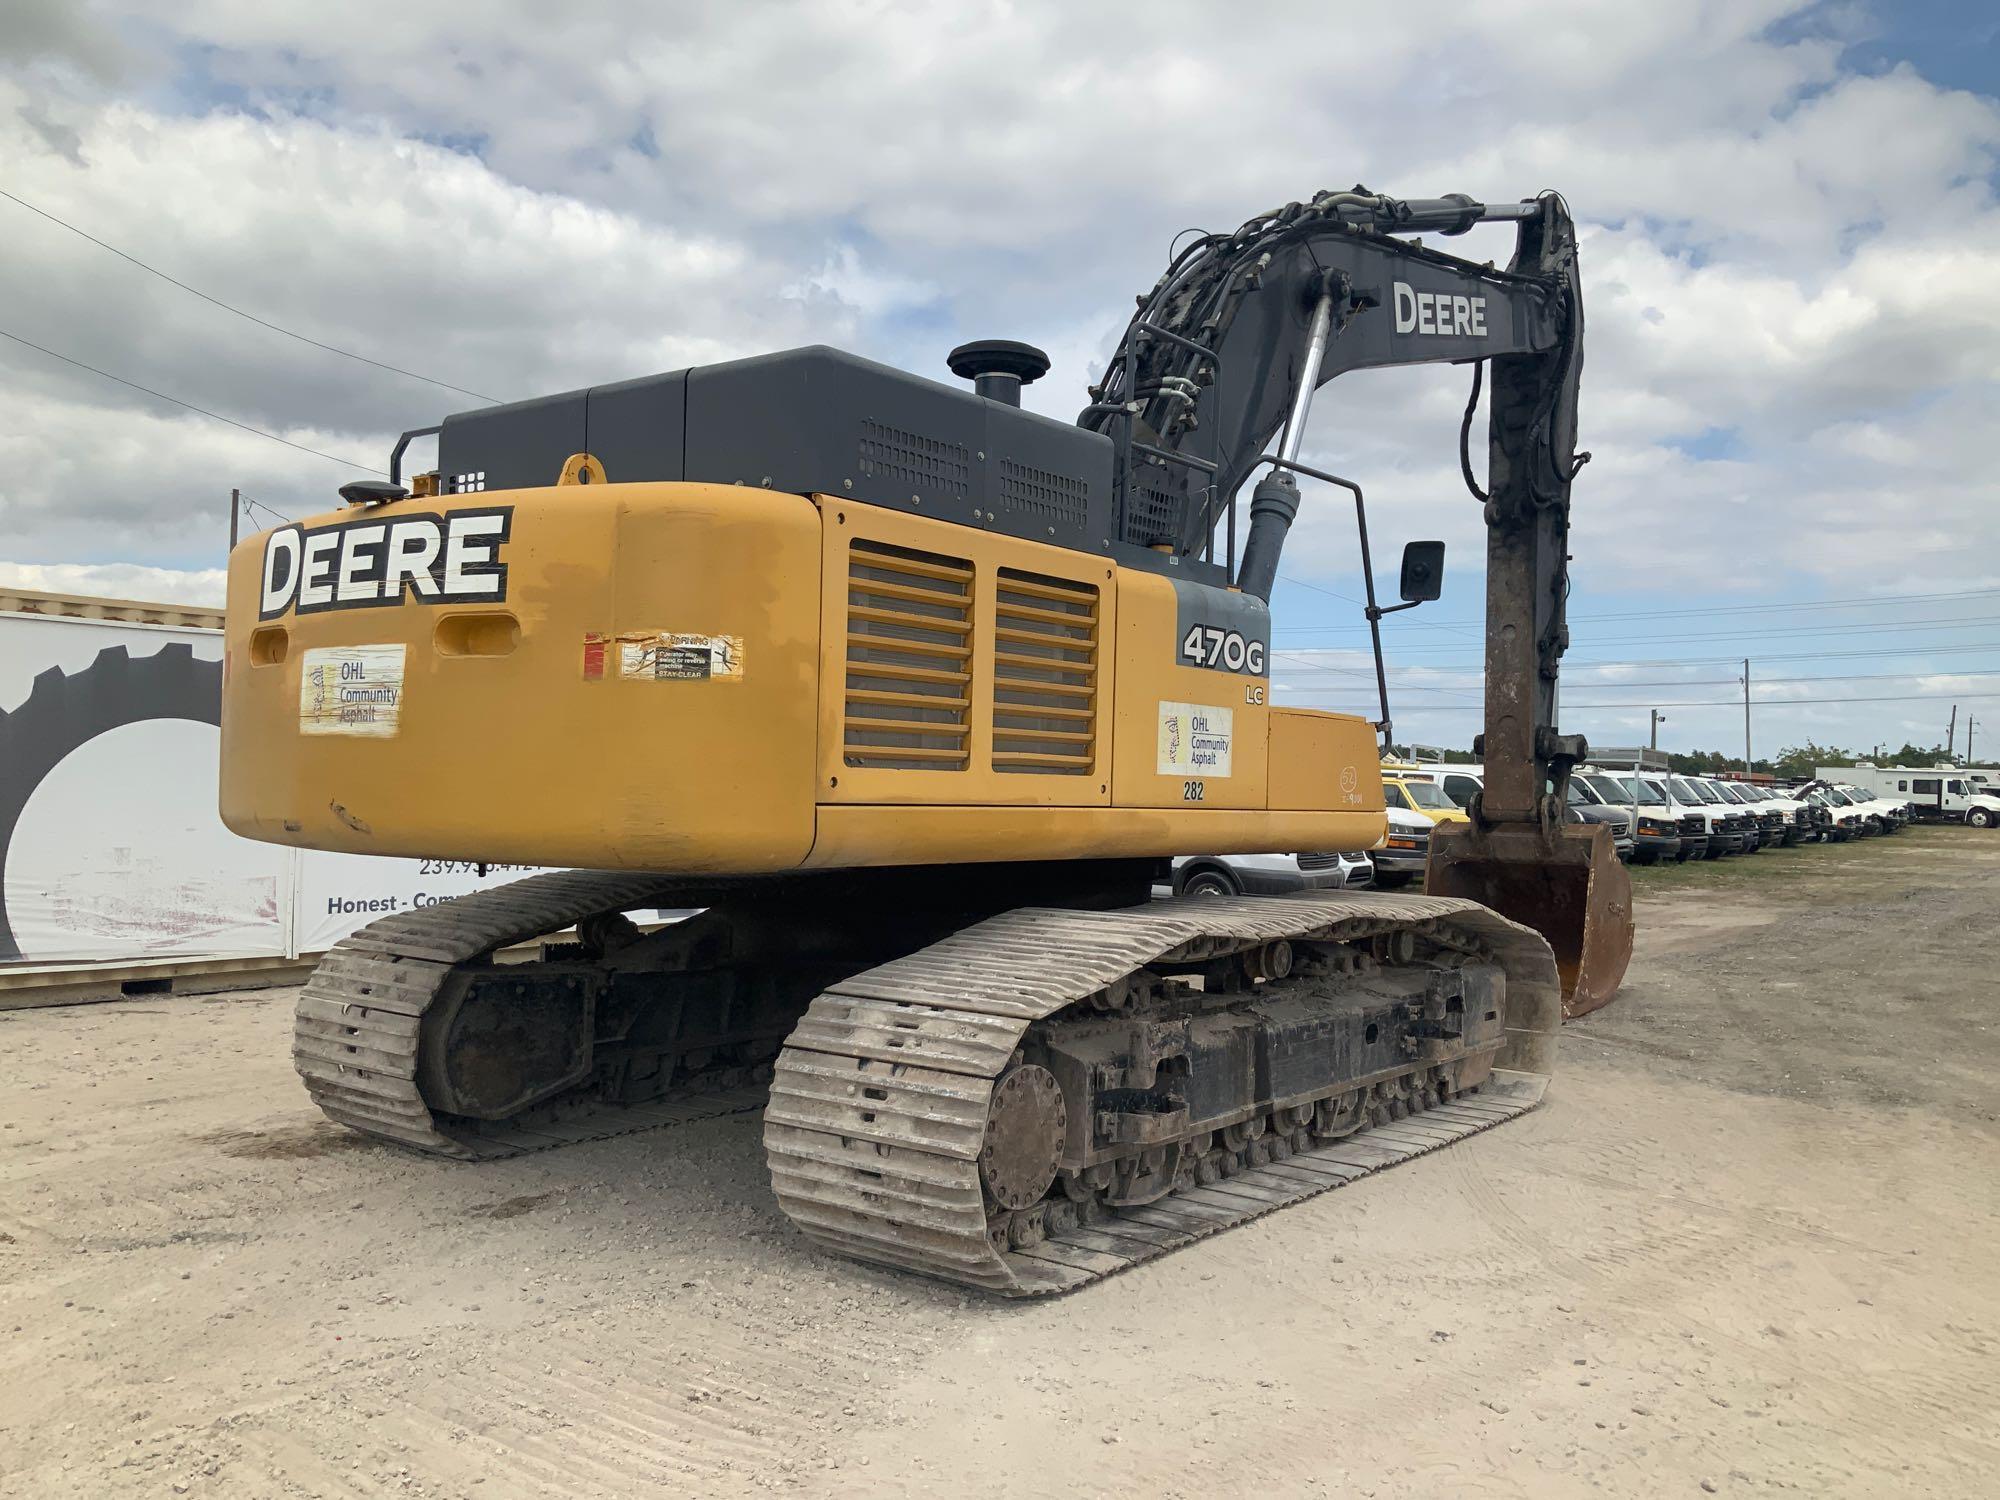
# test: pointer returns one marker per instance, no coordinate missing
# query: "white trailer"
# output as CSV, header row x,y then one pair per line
x,y
116,873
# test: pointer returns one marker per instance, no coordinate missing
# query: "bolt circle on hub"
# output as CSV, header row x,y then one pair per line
x,y
1025,1125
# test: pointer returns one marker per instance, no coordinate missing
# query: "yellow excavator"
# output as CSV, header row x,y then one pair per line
x,y
909,694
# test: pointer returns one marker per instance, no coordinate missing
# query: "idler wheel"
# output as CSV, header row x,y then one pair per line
x,y
1024,1136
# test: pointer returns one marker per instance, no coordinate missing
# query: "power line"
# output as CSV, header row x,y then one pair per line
x,y
1453,708
1709,661
1681,661
198,410
1452,627
1413,687
1317,589
1790,702
1695,681
1875,627
271,509
1928,652
1762,681
1854,601
260,322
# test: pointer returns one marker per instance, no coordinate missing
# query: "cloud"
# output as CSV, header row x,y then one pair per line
x,y
1790,266
120,581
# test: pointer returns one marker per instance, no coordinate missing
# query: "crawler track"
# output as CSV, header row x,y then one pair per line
x,y
880,1104
355,1035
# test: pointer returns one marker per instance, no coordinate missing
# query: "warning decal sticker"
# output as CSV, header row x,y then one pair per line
x,y
664,656
351,690
1194,739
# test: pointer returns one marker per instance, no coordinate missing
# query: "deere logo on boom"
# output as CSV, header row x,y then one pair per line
x,y
1439,312
451,559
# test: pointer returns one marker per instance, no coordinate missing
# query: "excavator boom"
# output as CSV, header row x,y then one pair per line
x,y
1226,352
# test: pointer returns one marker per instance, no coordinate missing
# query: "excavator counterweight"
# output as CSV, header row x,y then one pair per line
x,y
911,694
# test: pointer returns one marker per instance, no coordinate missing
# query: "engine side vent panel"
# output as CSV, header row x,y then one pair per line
x,y
1043,492
909,659
1152,516
914,462
1045,664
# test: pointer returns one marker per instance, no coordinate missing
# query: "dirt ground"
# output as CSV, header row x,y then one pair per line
x,y
1748,1247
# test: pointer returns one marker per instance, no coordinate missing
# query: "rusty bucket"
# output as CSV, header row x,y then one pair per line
x,y
1571,889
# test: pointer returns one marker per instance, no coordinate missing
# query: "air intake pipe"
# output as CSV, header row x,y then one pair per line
x,y
998,368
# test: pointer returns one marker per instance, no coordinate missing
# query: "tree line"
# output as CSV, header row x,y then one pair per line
x,y
1794,760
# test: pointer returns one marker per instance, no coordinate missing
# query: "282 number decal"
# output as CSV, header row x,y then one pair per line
x,y
1191,791
1228,650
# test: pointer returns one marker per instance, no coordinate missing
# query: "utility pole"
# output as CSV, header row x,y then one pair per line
x,y
1969,722
1746,716
235,506
1951,734
1657,717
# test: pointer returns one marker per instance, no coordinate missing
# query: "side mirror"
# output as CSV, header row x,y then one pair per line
x,y
1423,571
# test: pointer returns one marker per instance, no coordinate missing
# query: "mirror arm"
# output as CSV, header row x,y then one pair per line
x,y
1373,611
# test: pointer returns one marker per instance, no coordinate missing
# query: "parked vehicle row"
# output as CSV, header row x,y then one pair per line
x,y
1654,817
1659,816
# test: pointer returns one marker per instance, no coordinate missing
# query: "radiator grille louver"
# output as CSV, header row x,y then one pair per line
x,y
909,659
1044,675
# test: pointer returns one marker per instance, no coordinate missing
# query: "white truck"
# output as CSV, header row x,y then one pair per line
x,y
1664,832
1847,819
1933,793
1794,823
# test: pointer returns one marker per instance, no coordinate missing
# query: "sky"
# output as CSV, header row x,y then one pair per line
x,y
1790,252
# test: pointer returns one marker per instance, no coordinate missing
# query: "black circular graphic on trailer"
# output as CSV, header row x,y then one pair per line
x,y
69,709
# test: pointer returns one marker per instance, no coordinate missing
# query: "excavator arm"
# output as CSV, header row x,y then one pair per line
x,y
1225,353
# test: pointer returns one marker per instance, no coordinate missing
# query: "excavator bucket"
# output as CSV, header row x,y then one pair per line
x,y
1572,890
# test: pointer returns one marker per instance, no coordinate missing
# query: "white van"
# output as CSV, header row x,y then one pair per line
x,y
1885,814
1850,810
1664,832
1730,828
1269,874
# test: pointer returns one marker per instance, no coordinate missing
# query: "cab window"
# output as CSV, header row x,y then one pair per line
x,y
1461,789
1424,795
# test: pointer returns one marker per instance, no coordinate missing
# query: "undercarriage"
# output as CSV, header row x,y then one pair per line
x,y
1018,1098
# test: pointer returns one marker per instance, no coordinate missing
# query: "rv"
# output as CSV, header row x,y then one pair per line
x,y
1935,793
